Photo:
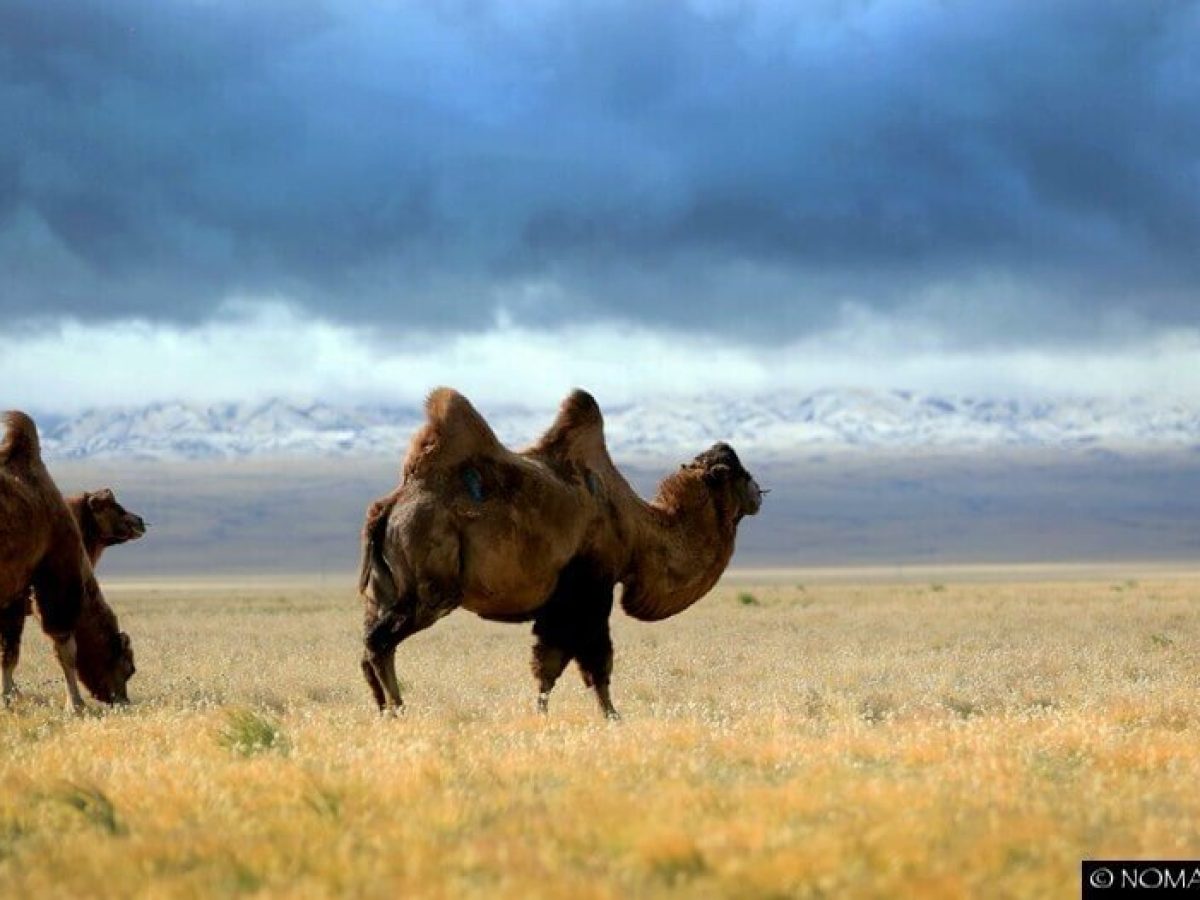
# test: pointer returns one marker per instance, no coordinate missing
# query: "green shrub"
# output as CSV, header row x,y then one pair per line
x,y
247,732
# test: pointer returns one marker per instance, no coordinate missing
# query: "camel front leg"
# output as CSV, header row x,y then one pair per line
x,y
64,649
12,624
594,650
549,661
595,662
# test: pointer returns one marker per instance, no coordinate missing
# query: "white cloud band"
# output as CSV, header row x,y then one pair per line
x,y
257,349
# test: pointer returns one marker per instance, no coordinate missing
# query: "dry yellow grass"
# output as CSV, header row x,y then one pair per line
x,y
818,741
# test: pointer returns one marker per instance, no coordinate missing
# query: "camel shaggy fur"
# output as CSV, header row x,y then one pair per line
x,y
104,653
544,534
40,546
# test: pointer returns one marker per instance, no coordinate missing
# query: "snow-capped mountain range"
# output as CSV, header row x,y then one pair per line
x,y
775,427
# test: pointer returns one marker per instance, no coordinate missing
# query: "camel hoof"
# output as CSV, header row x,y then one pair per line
x,y
543,704
612,715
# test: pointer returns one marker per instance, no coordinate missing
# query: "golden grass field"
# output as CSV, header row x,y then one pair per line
x,y
822,739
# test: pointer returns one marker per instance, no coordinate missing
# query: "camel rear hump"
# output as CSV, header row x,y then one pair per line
x,y
577,433
19,445
453,433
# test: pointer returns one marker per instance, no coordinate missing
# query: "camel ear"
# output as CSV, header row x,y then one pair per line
x,y
718,473
99,499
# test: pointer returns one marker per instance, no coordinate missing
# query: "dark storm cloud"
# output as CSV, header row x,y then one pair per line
x,y
1013,168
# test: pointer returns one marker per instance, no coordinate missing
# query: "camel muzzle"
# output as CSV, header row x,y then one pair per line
x,y
754,497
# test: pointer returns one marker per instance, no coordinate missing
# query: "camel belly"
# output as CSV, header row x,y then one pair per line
x,y
509,567
513,602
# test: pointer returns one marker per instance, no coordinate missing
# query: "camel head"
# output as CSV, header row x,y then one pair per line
x,y
105,666
109,521
723,473
104,654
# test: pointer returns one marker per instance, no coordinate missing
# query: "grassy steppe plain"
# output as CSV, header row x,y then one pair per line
x,y
782,740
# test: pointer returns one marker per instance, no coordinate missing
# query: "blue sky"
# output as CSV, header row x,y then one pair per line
x,y
989,194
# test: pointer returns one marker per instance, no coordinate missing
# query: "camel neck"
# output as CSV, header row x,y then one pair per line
x,y
94,550
687,540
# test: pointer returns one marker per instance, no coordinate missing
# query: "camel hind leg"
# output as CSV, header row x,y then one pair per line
x,y
381,636
373,682
384,631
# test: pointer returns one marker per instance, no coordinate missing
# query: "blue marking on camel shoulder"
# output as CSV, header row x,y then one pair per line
x,y
474,482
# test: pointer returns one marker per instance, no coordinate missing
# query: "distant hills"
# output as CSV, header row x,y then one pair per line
x,y
774,427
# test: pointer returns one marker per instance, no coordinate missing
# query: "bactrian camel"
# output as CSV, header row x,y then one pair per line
x,y
541,535
41,547
104,654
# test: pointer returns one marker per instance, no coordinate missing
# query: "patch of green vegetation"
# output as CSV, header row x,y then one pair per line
x,y
681,867
247,732
745,598
93,804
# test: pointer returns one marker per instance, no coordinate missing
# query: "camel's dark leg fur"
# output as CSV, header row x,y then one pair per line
x,y
595,658
574,625
12,624
549,661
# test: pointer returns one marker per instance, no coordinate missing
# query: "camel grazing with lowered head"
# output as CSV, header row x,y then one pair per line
x,y
40,545
104,654
540,535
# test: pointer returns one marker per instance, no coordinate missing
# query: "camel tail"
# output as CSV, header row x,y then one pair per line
x,y
19,446
374,573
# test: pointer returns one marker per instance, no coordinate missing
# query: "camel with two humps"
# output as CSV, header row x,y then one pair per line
x,y
543,535
43,559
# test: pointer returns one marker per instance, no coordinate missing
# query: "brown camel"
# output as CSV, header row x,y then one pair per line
x,y
104,653
544,534
39,545
665,554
